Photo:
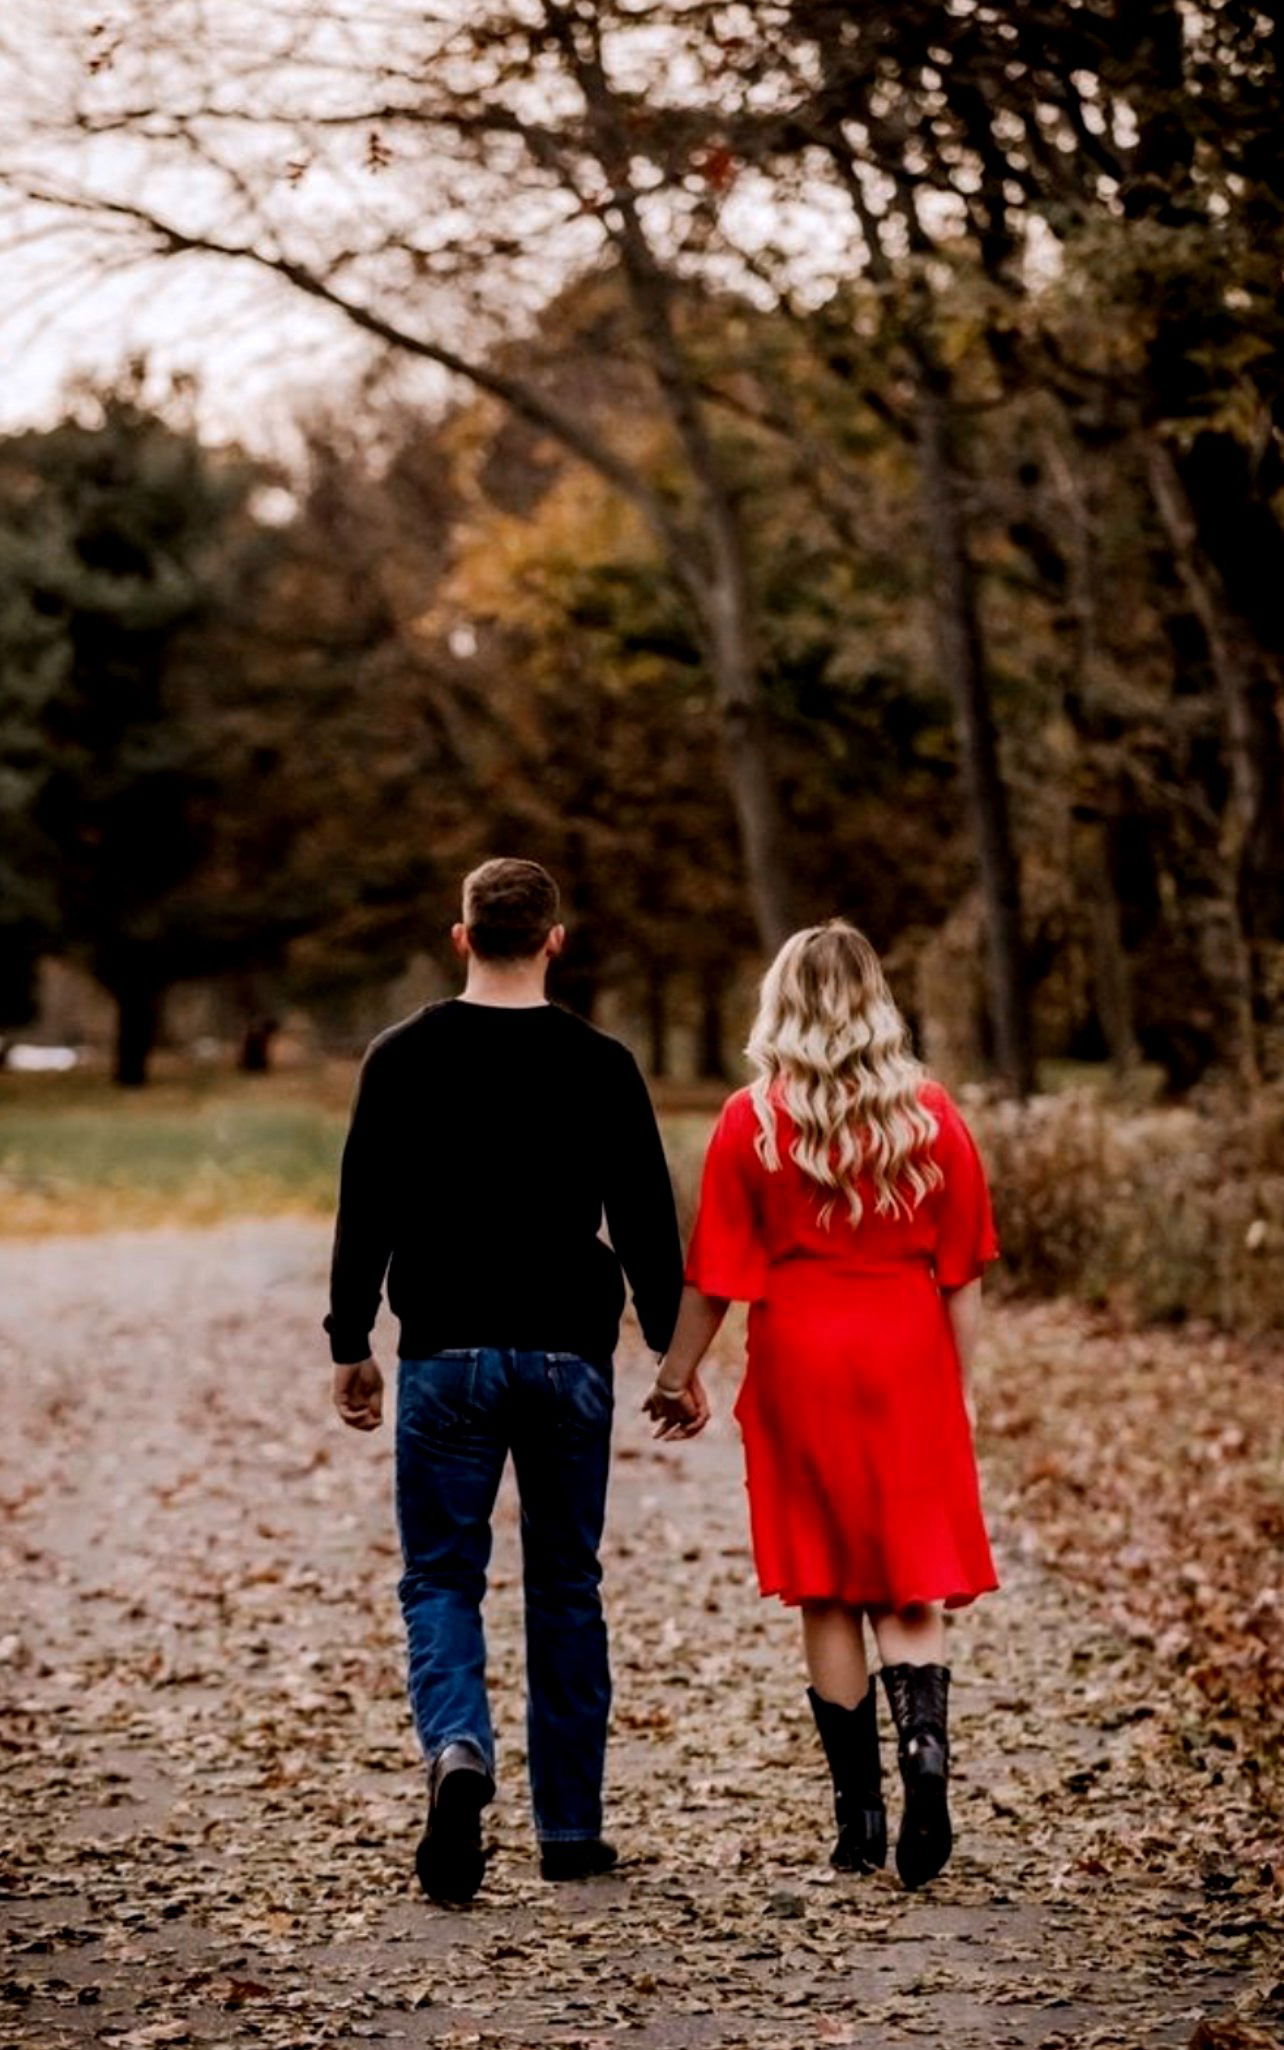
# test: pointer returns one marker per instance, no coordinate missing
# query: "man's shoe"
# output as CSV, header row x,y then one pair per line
x,y
582,1858
450,1860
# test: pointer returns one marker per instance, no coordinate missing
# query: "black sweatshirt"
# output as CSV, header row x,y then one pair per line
x,y
485,1145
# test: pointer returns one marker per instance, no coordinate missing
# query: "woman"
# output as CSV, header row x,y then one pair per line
x,y
844,1199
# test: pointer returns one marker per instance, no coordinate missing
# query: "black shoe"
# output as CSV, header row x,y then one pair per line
x,y
850,1738
919,1697
582,1858
450,1860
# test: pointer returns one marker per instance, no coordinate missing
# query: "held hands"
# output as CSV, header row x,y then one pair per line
x,y
678,1413
358,1394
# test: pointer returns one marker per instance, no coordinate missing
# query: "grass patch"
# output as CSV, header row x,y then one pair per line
x,y
1159,1214
78,1155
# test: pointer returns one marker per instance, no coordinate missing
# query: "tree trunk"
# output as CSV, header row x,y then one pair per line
x,y
256,1046
1092,824
1111,972
657,1020
576,977
20,951
742,720
957,632
716,581
1251,735
711,1062
138,1010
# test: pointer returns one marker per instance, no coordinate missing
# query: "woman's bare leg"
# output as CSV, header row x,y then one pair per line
x,y
834,1645
910,1637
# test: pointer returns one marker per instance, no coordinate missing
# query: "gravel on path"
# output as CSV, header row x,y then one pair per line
x,y
210,1792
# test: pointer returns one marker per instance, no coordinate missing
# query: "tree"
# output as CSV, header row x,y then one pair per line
x,y
209,725
1146,140
115,538
1018,265
31,663
444,111
604,747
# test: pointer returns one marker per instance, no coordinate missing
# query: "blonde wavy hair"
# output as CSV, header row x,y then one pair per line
x,y
833,1051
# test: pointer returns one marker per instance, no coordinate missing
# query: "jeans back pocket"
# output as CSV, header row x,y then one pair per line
x,y
438,1397
585,1392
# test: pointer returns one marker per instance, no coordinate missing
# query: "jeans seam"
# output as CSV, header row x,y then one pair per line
x,y
510,1379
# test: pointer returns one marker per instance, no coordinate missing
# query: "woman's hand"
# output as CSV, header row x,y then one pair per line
x,y
678,1413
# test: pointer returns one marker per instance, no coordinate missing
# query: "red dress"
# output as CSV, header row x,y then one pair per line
x,y
858,1453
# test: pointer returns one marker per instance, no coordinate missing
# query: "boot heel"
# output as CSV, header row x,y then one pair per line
x,y
927,1835
862,1843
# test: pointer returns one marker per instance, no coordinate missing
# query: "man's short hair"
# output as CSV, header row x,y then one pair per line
x,y
510,908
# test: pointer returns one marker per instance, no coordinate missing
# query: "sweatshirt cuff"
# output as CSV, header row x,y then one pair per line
x,y
658,1336
347,1348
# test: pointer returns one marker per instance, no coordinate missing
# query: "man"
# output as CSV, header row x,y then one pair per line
x,y
489,1135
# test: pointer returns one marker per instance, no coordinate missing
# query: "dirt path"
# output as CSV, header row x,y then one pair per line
x,y
211,1794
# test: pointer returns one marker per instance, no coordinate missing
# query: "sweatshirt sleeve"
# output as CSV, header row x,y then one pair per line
x,y
363,1226
641,1215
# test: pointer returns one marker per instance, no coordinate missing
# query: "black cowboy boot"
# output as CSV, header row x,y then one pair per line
x,y
450,1860
850,1738
919,1697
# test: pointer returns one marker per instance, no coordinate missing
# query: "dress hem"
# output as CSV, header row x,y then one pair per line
x,y
957,1598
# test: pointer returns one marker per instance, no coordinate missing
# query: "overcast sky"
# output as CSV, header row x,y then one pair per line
x,y
259,351
259,354
441,237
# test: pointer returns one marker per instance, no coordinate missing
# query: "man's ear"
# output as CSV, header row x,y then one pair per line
x,y
459,940
555,942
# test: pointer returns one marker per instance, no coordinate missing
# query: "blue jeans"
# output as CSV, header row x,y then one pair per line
x,y
459,1414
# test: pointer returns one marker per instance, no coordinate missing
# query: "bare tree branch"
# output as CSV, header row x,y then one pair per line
x,y
167,238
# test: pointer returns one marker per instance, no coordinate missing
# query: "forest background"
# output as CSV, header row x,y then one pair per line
x,y
766,462
848,482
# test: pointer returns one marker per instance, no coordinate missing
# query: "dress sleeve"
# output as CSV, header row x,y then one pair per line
x,y
966,1239
727,1257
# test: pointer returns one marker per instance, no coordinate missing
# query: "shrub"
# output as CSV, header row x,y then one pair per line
x,y
1160,1214
1163,1214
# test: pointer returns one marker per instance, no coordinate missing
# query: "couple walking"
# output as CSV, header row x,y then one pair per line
x,y
842,1198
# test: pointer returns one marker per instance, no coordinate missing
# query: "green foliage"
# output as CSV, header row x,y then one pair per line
x,y
213,730
606,751
120,540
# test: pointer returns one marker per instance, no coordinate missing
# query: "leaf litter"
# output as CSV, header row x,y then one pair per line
x,y
211,1793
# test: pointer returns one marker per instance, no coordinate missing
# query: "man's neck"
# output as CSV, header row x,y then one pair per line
x,y
520,988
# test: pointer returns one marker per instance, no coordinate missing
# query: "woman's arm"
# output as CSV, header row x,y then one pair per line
x,y
963,1307
678,1401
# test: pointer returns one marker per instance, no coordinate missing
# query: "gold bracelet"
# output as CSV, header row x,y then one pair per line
x,y
660,1388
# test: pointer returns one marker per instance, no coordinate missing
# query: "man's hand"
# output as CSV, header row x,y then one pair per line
x,y
678,1415
358,1394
